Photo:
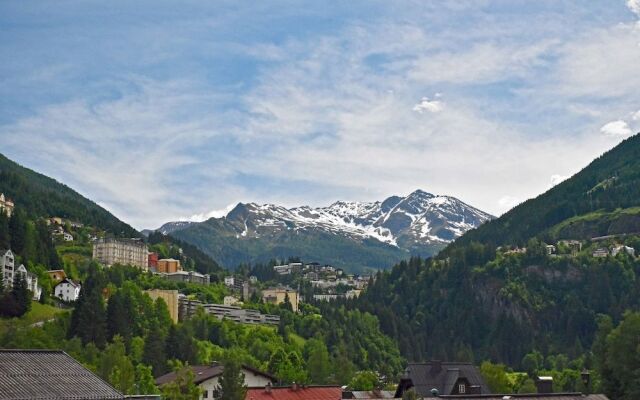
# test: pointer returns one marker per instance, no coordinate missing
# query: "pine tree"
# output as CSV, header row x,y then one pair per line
x,y
18,228
89,318
231,382
154,350
21,295
5,237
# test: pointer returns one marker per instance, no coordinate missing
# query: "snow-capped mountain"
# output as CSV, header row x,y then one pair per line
x,y
420,223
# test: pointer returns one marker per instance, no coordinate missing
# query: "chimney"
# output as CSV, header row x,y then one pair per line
x,y
544,384
294,387
267,388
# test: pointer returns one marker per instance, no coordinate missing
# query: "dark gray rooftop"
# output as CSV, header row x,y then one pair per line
x,y
49,374
441,376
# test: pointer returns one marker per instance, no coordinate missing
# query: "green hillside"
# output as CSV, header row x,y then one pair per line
x,y
41,196
477,302
220,242
609,183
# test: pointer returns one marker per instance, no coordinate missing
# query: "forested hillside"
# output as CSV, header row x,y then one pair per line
x,y
500,293
41,196
610,182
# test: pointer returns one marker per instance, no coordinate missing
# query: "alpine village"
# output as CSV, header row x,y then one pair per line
x,y
371,247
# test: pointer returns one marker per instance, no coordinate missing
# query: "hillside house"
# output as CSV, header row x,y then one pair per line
x,y
49,374
67,290
447,378
188,276
57,275
619,249
6,205
600,253
7,267
207,377
32,282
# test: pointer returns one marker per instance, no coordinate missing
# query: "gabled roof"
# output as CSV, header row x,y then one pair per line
x,y
49,374
70,282
424,377
205,372
299,393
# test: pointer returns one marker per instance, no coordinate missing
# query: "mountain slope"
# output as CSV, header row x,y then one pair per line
x,y
610,182
41,196
349,234
474,301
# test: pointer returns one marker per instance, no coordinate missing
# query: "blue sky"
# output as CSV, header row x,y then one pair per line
x,y
169,110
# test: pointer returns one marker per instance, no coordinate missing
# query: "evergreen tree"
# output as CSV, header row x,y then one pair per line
x,y
22,296
18,228
5,237
89,318
318,364
154,350
231,383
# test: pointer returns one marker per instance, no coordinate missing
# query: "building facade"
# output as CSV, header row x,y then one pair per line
x,y
110,251
188,308
32,282
168,266
67,290
7,267
170,297
278,296
6,205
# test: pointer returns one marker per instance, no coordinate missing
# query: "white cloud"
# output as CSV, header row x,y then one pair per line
x,y
211,214
432,106
616,129
505,203
636,116
556,178
634,6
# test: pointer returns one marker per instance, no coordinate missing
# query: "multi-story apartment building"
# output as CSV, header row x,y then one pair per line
x,y
7,267
111,251
168,266
188,308
170,297
278,296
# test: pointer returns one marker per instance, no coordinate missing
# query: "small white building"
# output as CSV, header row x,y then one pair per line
x,y
229,281
67,290
618,249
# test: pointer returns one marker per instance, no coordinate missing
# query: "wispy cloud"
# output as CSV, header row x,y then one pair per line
x,y
189,113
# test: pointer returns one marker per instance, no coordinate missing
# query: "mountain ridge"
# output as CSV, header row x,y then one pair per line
x,y
419,223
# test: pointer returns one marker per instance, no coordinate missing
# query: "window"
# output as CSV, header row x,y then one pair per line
x,y
462,388
205,395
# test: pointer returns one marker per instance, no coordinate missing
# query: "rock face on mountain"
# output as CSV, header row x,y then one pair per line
x,y
353,235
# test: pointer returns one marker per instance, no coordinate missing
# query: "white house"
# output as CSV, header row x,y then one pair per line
x,y
207,376
629,250
7,267
67,290
229,281
32,281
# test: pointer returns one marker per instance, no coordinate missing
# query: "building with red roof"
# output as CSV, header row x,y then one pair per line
x,y
295,392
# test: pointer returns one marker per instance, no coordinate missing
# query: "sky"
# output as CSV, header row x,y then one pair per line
x,y
163,111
